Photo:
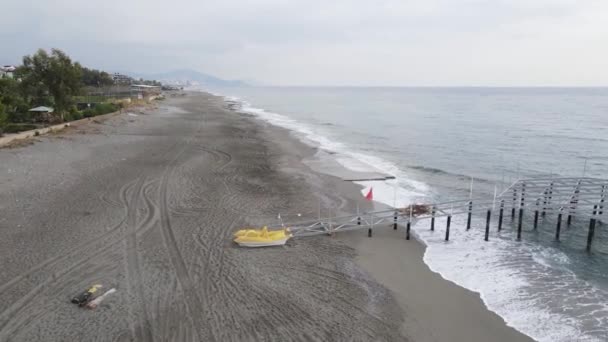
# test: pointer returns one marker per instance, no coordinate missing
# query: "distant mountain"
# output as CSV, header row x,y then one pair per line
x,y
190,77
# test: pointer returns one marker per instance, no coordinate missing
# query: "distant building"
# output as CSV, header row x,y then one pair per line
x,y
7,71
145,91
121,79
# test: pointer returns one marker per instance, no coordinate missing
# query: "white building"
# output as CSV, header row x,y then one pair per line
x,y
121,79
7,71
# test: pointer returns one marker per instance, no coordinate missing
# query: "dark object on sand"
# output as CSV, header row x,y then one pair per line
x,y
84,297
416,209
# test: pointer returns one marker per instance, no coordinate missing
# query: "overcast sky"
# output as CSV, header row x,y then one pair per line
x,y
325,42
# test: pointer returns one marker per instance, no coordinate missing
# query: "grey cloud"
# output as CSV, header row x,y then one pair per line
x,y
391,42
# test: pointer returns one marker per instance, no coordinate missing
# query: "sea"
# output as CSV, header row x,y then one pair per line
x,y
440,143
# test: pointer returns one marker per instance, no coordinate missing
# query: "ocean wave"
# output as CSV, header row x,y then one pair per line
x,y
528,285
400,192
524,283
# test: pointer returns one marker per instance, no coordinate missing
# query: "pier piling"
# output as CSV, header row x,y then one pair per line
x,y
488,217
469,215
559,225
500,213
514,202
519,224
544,202
433,219
447,228
602,200
395,221
407,230
590,234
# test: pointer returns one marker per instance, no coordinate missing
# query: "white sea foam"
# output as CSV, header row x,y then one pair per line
x,y
400,191
523,292
523,287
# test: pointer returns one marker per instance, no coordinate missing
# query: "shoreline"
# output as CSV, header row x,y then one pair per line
x,y
148,205
390,260
533,285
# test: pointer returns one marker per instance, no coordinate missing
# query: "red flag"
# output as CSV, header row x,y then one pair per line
x,y
370,195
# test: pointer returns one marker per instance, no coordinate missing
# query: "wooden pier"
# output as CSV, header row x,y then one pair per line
x,y
582,197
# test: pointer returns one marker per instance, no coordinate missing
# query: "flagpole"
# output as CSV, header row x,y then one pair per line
x,y
319,212
494,201
471,190
395,195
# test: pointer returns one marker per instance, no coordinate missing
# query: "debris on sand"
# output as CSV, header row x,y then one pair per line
x,y
84,297
95,302
416,209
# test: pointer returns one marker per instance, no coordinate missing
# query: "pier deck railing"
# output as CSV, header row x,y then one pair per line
x,y
583,197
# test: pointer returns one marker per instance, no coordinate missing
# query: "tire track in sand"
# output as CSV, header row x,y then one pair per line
x,y
191,297
77,249
142,331
22,304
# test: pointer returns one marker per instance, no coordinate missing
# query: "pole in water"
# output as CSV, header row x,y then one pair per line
x,y
395,195
514,202
395,221
521,216
591,234
559,225
469,215
471,191
585,167
329,220
500,214
494,200
544,202
433,219
602,200
536,215
411,212
569,221
447,228
488,217
407,230
521,213
319,212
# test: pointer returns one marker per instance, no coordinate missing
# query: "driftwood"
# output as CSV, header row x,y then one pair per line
x,y
417,209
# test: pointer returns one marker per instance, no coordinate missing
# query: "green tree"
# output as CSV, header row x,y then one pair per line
x,y
96,78
14,102
3,119
54,74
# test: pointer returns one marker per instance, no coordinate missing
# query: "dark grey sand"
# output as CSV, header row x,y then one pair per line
x,y
148,203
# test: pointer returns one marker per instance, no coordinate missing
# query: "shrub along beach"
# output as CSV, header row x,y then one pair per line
x,y
50,88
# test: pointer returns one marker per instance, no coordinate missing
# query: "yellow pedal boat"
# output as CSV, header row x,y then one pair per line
x,y
261,237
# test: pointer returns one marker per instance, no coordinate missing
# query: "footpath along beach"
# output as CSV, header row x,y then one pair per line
x,y
147,204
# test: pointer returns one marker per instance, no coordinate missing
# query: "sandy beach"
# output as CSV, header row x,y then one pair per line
x,y
146,202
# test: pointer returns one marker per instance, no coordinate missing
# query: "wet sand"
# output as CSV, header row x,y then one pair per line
x,y
147,204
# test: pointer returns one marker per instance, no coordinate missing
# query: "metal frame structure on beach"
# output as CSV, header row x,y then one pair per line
x,y
582,196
